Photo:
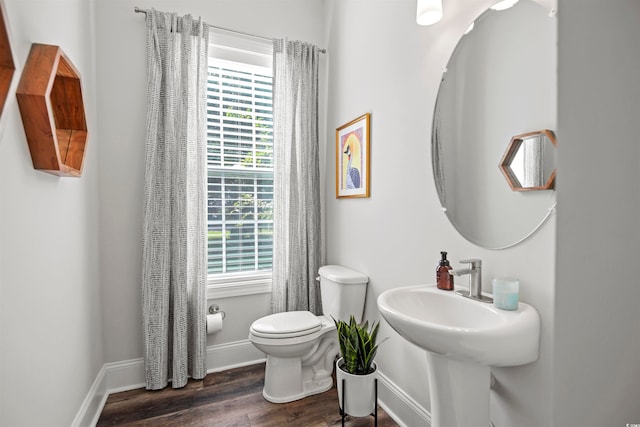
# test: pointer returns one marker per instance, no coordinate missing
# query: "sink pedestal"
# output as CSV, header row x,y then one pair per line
x,y
459,392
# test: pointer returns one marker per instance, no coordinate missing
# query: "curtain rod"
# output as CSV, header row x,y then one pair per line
x,y
138,10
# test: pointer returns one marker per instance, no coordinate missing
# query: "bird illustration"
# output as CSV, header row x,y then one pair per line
x,y
353,174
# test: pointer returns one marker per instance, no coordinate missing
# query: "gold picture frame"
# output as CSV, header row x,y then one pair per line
x,y
352,158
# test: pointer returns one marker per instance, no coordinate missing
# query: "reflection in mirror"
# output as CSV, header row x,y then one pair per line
x,y
529,163
492,90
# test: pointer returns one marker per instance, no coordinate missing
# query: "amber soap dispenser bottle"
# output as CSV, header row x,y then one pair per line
x,y
444,280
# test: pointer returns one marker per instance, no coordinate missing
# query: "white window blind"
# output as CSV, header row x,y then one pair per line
x,y
240,165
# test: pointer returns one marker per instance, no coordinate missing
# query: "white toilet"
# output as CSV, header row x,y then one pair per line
x,y
301,347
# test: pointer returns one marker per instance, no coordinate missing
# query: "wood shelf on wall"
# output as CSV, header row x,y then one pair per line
x,y
52,109
7,67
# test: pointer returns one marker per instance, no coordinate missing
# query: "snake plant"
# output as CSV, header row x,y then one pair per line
x,y
357,345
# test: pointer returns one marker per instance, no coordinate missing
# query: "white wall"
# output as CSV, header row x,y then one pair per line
x,y
121,65
50,320
597,328
70,248
380,61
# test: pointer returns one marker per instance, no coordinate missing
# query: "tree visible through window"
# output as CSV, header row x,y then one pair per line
x,y
240,167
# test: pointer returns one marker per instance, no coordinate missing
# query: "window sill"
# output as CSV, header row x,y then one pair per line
x,y
236,285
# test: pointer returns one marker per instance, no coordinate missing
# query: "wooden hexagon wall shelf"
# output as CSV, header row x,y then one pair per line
x,y
7,67
50,100
529,162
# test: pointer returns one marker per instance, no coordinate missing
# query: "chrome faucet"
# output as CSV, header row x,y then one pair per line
x,y
475,286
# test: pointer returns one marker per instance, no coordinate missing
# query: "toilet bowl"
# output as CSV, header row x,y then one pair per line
x,y
301,347
299,358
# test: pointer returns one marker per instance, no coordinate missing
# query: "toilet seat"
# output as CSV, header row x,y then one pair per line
x,y
289,324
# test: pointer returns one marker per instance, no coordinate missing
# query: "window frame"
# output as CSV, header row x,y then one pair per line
x,y
256,51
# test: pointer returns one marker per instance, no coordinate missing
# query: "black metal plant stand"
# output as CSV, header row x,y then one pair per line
x,y
343,413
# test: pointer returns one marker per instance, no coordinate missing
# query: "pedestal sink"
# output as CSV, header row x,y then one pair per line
x,y
463,339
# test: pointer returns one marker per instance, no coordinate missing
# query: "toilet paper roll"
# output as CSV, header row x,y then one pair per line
x,y
214,323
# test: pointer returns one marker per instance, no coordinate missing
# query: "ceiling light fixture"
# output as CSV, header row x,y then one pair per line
x,y
429,12
504,4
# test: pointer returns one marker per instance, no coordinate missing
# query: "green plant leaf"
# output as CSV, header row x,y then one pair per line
x,y
357,345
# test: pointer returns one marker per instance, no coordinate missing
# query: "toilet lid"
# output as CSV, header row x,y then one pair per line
x,y
287,325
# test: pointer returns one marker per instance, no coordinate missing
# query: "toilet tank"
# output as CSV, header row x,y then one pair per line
x,y
343,292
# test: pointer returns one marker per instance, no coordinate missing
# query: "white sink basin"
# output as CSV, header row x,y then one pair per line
x,y
450,325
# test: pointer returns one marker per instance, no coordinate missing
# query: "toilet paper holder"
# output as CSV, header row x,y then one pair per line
x,y
214,309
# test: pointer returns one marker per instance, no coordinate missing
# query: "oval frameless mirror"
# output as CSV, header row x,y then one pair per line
x,y
499,84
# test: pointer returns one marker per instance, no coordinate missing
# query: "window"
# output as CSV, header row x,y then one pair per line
x,y
239,162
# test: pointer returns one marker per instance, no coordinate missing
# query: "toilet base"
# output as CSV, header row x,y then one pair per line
x,y
286,380
310,388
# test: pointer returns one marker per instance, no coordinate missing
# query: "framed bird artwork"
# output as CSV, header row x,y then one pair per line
x,y
352,158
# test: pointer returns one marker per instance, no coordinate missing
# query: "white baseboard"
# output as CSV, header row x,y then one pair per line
x,y
94,402
129,374
399,405
125,375
232,355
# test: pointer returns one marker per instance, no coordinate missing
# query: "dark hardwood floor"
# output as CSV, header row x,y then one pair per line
x,y
226,399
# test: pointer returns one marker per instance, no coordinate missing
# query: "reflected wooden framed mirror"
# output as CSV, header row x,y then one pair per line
x,y
529,162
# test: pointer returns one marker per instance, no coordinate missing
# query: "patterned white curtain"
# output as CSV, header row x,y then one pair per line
x,y
437,157
174,264
296,224
533,161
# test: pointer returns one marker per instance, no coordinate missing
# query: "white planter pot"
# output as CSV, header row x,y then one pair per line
x,y
359,390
